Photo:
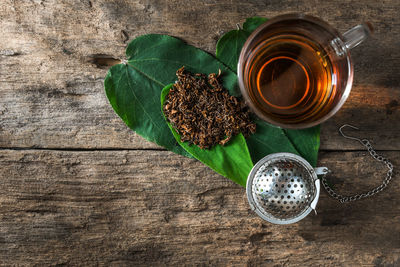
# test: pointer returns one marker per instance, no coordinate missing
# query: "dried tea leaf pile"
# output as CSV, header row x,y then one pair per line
x,y
203,112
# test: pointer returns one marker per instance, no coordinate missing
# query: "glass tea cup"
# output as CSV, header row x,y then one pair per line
x,y
295,71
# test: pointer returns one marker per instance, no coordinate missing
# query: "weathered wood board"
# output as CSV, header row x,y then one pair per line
x,y
77,187
154,207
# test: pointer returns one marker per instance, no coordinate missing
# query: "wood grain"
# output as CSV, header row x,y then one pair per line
x,y
157,208
55,55
78,188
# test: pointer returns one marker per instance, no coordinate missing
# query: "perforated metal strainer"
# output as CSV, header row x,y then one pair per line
x,y
283,188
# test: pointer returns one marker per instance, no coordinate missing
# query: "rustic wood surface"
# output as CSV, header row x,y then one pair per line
x,y
77,187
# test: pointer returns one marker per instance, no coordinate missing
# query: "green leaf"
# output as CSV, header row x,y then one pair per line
x,y
134,89
229,47
267,139
307,142
232,160
253,23
126,90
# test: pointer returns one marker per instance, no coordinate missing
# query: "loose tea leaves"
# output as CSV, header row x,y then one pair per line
x,y
231,160
203,112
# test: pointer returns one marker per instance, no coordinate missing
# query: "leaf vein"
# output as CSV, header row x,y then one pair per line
x,y
137,100
146,75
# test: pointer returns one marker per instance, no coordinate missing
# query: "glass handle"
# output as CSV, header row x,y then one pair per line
x,y
357,35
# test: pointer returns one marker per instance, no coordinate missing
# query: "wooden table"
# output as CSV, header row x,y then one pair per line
x,y
77,187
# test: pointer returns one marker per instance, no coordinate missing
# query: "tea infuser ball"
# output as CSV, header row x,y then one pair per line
x,y
283,188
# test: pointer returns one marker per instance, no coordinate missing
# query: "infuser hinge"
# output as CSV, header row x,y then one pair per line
x,y
321,170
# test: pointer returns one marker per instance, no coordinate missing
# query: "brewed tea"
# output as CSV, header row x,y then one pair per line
x,y
290,78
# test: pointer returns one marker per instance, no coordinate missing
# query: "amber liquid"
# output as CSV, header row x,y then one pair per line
x,y
291,79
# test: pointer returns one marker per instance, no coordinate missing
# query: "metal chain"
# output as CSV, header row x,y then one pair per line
x,y
376,156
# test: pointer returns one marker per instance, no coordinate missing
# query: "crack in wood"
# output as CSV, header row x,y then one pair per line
x,y
103,61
